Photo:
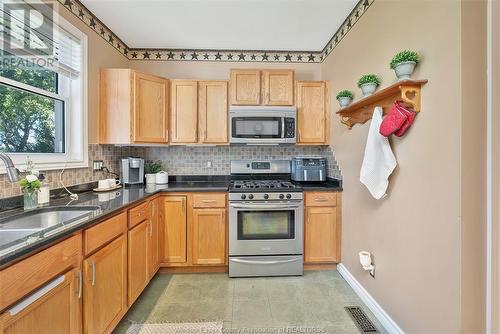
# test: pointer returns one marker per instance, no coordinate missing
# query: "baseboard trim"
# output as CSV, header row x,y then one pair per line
x,y
385,320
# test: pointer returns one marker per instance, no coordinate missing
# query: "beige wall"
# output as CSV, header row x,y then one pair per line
x,y
414,234
100,55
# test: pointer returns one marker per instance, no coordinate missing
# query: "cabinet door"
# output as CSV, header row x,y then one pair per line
x,y
184,111
154,249
56,310
138,259
212,108
321,235
150,109
245,87
312,118
209,236
174,229
105,287
278,87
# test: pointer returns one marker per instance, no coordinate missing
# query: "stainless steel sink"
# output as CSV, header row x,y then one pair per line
x,y
8,236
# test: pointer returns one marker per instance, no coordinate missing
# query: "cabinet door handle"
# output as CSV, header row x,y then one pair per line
x,y
223,220
80,283
308,216
167,134
183,204
150,229
92,264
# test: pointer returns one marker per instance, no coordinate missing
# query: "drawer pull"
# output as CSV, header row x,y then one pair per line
x,y
209,201
321,199
35,296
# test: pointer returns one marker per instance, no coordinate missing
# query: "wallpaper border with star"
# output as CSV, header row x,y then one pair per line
x,y
87,17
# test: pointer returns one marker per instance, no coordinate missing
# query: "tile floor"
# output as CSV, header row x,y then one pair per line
x,y
315,300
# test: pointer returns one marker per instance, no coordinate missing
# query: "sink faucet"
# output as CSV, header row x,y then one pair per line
x,y
12,171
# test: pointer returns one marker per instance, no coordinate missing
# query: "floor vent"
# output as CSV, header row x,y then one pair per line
x,y
361,319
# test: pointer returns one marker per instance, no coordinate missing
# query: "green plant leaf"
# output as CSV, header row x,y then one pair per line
x,y
404,56
368,78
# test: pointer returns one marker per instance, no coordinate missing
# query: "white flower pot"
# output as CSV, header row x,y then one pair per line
x,y
404,70
162,177
344,101
368,88
150,178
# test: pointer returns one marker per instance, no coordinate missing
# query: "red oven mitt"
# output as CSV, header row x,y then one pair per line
x,y
409,121
393,121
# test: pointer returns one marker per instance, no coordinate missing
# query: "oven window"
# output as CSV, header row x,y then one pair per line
x,y
257,225
256,127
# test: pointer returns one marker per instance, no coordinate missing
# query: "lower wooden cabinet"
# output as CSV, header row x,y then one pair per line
x,y
154,237
138,259
105,287
209,236
174,229
321,229
58,310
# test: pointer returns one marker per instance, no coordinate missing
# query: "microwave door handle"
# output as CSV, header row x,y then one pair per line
x,y
283,127
320,175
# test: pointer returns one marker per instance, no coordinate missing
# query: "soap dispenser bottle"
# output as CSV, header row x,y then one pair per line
x,y
44,193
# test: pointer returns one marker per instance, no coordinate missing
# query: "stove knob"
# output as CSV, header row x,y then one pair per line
x,y
288,196
266,196
250,196
243,196
282,196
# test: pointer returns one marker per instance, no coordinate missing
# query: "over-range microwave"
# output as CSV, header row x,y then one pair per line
x,y
263,125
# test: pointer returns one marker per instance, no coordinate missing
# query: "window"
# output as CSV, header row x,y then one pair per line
x,y
42,96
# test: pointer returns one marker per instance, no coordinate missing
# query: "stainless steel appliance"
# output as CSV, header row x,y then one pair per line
x,y
265,220
132,170
256,125
309,169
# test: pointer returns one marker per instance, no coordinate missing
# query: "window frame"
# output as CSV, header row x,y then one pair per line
x,y
75,114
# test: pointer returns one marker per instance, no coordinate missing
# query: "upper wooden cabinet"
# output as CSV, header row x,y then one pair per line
x,y
212,110
267,87
277,87
133,107
245,87
184,111
313,116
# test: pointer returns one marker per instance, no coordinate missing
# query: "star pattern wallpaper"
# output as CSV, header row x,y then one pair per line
x,y
86,16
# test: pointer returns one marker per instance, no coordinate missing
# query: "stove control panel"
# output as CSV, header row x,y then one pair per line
x,y
273,196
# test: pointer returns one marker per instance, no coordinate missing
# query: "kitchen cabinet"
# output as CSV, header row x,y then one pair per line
x,y
322,228
138,259
245,87
212,110
209,236
133,107
174,227
154,237
56,310
313,116
105,287
277,86
184,111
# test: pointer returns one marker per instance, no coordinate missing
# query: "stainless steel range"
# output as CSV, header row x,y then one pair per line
x,y
265,220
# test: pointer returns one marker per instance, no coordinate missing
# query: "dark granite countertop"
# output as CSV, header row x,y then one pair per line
x,y
329,185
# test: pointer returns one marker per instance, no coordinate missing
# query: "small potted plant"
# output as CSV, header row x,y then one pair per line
x,y
403,63
30,185
368,84
344,97
150,169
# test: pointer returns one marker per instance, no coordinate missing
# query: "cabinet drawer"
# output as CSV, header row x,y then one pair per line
x,y
97,236
209,200
23,277
139,214
321,198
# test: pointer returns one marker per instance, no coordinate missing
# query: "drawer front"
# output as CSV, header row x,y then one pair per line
x,y
23,277
99,235
209,200
321,198
139,214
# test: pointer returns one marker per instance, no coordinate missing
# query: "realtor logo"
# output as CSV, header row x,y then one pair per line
x,y
28,29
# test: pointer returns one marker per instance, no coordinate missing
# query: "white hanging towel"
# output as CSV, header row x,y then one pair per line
x,y
379,161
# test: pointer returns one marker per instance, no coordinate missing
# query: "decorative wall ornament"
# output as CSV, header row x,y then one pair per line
x,y
87,17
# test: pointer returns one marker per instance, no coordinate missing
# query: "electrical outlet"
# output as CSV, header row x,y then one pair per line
x,y
209,164
97,165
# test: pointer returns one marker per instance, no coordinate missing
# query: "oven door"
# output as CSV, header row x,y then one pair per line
x,y
265,228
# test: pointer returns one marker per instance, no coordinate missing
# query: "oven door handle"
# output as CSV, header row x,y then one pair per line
x,y
263,262
264,207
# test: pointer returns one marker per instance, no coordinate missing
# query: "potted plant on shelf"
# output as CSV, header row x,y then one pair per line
x,y
344,97
30,185
368,84
403,63
150,169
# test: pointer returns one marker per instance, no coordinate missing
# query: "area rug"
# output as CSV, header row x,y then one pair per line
x,y
177,328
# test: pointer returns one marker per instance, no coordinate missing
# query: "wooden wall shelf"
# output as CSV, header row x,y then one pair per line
x,y
361,111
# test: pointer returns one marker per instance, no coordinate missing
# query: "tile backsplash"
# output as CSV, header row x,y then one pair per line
x,y
177,160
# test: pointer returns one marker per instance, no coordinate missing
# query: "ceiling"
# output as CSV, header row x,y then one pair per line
x,y
291,25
